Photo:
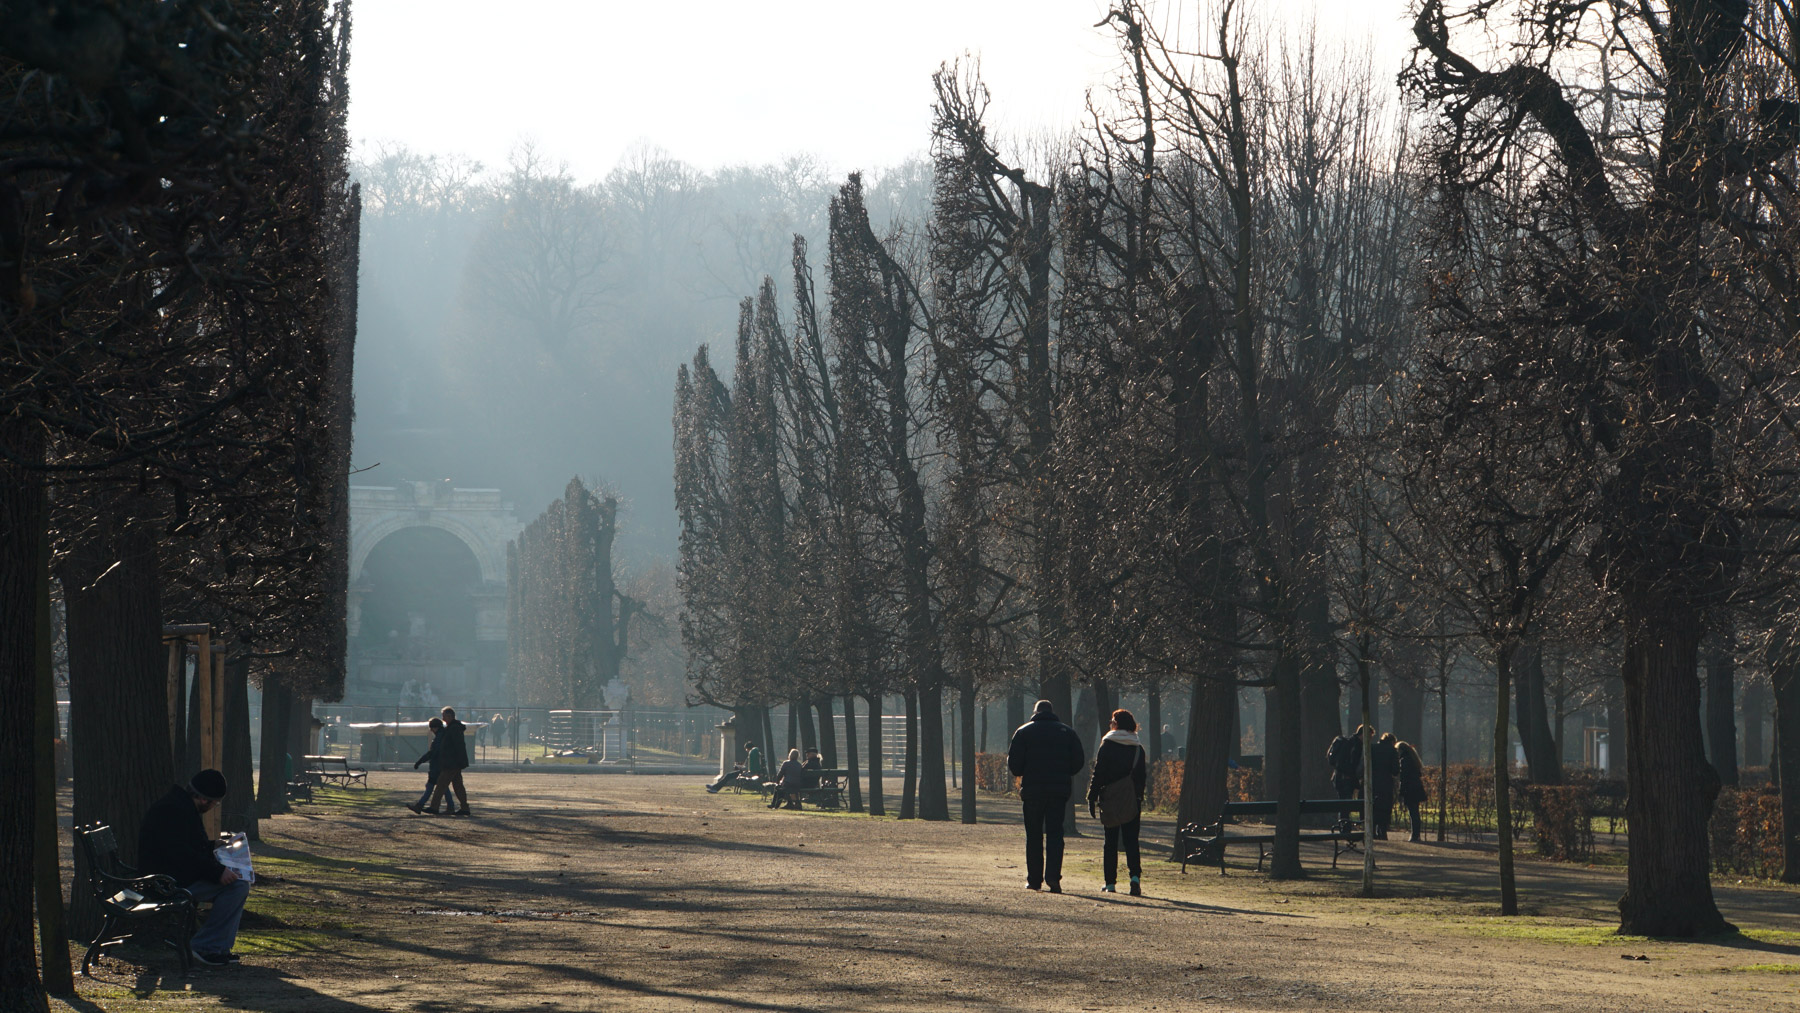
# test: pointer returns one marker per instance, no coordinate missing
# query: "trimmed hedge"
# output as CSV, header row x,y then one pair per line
x,y
1746,832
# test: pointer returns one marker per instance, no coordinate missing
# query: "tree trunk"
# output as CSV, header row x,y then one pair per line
x,y
1271,740
1785,678
1618,733
271,789
1153,725
1671,787
1015,714
1721,708
968,749
1756,711
768,737
1284,857
53,936
117,675
934,797
850,758
828,753
1509,892
877,807
793,727
909,791
22,523
237,813
1542,756
1407,694
1443,784
1320,696
1203,774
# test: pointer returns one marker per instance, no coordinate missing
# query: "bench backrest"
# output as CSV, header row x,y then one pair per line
x,y
342,761
1311,806
101,849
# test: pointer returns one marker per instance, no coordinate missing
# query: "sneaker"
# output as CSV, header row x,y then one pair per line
x,y
1108,888
713,789
232,958
1033,886
210,959
1137,889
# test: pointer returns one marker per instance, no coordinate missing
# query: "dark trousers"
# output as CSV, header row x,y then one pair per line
x,y
1418,825
430,785
1128,834
1346,786
1044,809
447,781
1384,813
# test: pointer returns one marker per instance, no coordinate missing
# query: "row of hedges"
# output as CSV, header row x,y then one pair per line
x,y
1746,832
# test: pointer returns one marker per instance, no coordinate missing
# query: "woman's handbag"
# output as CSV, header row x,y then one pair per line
x,y
1119,800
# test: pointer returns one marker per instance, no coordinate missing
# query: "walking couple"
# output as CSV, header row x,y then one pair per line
x,y
1045,755
448,758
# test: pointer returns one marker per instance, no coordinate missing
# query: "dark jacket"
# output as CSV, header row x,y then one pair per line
x,y
1045,753
1384,764
1412,777
452,750
1345,757
1114,761
791,774
172,841
810,778
431,757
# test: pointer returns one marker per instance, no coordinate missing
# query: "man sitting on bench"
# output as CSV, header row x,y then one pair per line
x,y
743,773
172,841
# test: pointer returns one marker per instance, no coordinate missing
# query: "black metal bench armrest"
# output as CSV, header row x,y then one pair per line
x,y
154,887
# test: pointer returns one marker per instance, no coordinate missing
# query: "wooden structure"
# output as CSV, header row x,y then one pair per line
x,y
196,641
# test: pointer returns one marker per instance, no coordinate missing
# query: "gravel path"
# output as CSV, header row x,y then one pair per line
x,y
647,893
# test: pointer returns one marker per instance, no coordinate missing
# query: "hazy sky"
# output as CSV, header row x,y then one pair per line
x,y
719,82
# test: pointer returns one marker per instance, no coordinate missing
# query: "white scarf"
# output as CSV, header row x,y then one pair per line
x,y
1122,737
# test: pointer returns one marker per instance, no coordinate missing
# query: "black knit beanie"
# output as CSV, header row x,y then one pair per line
x,y
208,784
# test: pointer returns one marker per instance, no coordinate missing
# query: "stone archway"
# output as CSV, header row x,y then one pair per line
x,y
459,537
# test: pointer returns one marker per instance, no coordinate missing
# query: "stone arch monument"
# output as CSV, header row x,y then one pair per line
x,y
454,645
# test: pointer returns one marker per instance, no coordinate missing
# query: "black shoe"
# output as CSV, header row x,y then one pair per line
x,y
1137,889
464,811
713,788
210,959
1055,887
416,807
231,958
1034,886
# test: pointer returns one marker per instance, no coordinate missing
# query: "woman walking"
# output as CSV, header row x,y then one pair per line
x,y
1117,789
1412,785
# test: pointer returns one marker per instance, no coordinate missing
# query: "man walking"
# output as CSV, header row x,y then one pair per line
x,y
172,842
1045,754
452,760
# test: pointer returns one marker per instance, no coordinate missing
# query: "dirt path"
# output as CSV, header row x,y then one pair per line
x,y
646,893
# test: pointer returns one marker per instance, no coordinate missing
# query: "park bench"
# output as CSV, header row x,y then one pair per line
x,y
1207,844
830,792
337,770
125,896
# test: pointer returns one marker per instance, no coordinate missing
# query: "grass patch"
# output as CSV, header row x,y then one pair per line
x,y
288,942
1769,968
1778,936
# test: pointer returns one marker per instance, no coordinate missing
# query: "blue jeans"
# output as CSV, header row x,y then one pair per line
x,y
221,928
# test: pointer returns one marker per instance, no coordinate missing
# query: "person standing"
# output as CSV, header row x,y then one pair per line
x,y
1044,754
1118,783
1384,763
452,759
172,842
1412,785
1345,757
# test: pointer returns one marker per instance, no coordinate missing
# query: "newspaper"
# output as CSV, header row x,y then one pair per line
x,y
234,854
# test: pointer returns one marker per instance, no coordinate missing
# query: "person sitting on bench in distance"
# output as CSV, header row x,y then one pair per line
x,y
745,773
807,780
788,781
172,842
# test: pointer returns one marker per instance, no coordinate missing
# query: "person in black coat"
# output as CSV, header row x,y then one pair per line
x,y
172,841
1119,757
1345,756
452,759
1412,785
1384,766
436,725
789,780
1044,754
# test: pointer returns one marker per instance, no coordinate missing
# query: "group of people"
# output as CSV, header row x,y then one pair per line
x,y
1045,754
1393,764
448,757
797,775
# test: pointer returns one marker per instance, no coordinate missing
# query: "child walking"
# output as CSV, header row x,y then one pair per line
x,y
431,772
